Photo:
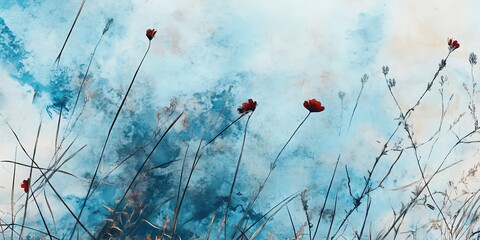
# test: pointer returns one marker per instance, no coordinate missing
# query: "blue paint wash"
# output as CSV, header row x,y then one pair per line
x,y
230,45
13,53
11,3
366,39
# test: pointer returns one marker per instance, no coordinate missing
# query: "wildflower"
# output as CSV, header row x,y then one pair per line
x,y
385,70
313,105
391,82
364,78
151,33
25,185
247,106
453,44
472,58
107,26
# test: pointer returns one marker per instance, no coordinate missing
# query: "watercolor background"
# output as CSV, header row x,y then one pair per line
x,y
207,58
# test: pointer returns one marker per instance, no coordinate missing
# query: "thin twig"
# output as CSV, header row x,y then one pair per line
x,y
235,175
363,81
326,197
41,216
89,191
57,60
27,187
211,226
272,167
291,221
12,203
333,218
196,159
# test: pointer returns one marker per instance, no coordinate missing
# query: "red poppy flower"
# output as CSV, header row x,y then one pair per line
x,y
151,33
313,105
25,185
247,106
456,44
453,44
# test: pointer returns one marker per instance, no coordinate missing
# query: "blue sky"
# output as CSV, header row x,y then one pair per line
x,y
206,59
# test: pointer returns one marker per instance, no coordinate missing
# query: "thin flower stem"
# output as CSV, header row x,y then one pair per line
x,y
220,133
10,225
393,95
429,86
404,211
145,162
211,226
28,186
57,60
274,210
3,231
16,137
369,203
272,167
107,26
12,203
326,197
442,118
49,209
303,199
34,167
333,217
150,214
472,98
407,129
278,207
130,155
47,180
89,191
235,176
380,184
284,146
63,202
405,117
410,136
196,159
177,202
58,126
355,107
54,169
341,116
41,216
367,188
119,202
293,225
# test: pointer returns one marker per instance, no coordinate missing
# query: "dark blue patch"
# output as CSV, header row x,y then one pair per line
x,y
13,53
60,91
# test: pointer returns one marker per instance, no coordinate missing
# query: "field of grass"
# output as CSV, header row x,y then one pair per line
x,y
101,158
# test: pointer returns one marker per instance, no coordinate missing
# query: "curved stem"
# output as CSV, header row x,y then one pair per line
x,y
90,192
272,167
235,176
57,60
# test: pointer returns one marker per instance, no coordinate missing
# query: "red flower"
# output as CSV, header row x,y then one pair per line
x,y
25,185
313,105
247,106
453,44
151,33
